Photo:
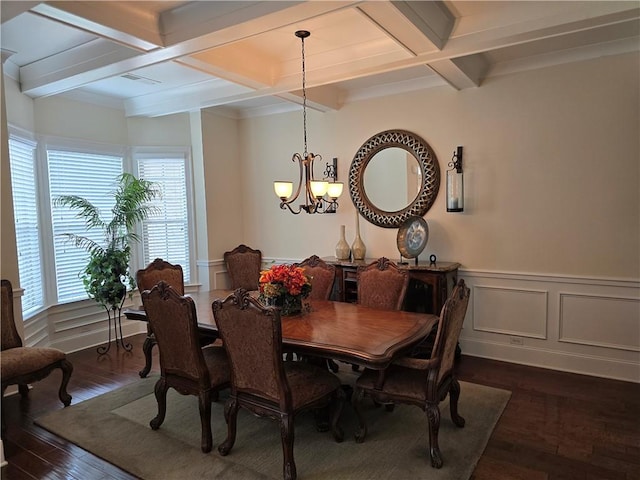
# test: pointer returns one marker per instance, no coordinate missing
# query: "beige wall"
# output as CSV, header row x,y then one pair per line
x,y
551,160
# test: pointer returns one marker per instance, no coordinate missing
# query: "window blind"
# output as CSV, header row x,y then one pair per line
x,y
91,176
25,210
165,234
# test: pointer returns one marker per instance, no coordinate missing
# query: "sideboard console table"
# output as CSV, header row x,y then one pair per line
x,y
429,283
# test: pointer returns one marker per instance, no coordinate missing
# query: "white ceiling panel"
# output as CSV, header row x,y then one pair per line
x,y
156,58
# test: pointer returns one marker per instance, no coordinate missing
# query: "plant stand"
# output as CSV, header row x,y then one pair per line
x,y
115,317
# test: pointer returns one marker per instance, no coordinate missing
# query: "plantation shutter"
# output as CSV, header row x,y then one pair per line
x,y
25,210
93,177
165,234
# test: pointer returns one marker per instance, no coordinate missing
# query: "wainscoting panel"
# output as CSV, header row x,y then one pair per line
x,y
597,320
510,311
575,324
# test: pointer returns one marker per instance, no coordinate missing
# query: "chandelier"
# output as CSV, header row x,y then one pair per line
x,y
320,196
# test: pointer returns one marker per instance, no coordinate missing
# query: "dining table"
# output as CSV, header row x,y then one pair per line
x,y
349,332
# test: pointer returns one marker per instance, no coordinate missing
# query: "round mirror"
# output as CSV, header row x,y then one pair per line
x,y
394,175
392,166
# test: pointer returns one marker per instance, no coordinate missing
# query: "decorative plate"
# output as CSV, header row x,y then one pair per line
x,y
413,236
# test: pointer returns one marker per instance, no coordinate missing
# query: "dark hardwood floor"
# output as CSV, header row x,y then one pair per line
x,y
556,426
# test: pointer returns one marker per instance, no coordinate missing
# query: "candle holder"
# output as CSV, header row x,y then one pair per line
x,y
455,183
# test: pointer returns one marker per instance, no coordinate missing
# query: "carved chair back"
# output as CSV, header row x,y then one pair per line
x,y
160,269
243,265
252,336
449,327
174,321
382,285
10,336
322,276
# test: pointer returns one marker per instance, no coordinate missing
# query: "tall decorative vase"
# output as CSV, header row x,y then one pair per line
x,y
343,252
358,248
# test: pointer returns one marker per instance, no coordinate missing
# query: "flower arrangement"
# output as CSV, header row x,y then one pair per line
x,y
284,286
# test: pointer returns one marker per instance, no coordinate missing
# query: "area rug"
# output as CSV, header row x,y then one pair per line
x,y
115,427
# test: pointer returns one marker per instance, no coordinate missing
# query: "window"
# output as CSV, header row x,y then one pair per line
x,y
41,169
89,175
166,233
22,154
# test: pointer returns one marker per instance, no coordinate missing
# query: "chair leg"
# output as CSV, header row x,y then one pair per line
x,y
204,404
67,369
231,417
337,403
287,434
433,413
161,397
361,432
454,395
3,429
23,389
332,365
147,346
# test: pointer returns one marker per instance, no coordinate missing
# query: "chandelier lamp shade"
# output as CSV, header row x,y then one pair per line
x,y
320,196
455,183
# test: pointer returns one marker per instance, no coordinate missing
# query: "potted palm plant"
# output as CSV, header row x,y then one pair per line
x,y
106,277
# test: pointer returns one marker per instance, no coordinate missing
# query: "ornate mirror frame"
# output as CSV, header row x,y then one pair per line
x,y
429,186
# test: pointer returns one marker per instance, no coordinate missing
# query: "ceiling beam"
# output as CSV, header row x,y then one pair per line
x,y
462,72
70,76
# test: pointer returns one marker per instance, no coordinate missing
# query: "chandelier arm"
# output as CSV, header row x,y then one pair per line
x,y
284,206
294,197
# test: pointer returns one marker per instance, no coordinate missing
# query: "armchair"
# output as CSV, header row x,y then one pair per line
x,y
184,365
422,382
262,382
21,365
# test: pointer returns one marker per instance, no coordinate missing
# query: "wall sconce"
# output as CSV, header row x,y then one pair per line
x,y
320,196
455,183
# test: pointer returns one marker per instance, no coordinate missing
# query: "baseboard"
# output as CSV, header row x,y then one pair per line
x,y
596,366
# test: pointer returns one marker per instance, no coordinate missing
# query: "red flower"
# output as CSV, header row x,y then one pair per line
x,y
284,279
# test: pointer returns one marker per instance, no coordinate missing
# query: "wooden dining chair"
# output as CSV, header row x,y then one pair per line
x,y
243,265
422,382
262,382
184,365
382,285
20,365
147,278
322,276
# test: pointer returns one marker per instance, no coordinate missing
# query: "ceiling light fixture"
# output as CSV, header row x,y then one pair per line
x,y
320,196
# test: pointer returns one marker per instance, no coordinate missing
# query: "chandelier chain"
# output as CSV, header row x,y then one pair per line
x,y
304,100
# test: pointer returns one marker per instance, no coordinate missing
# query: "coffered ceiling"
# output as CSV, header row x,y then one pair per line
x,y
154,58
